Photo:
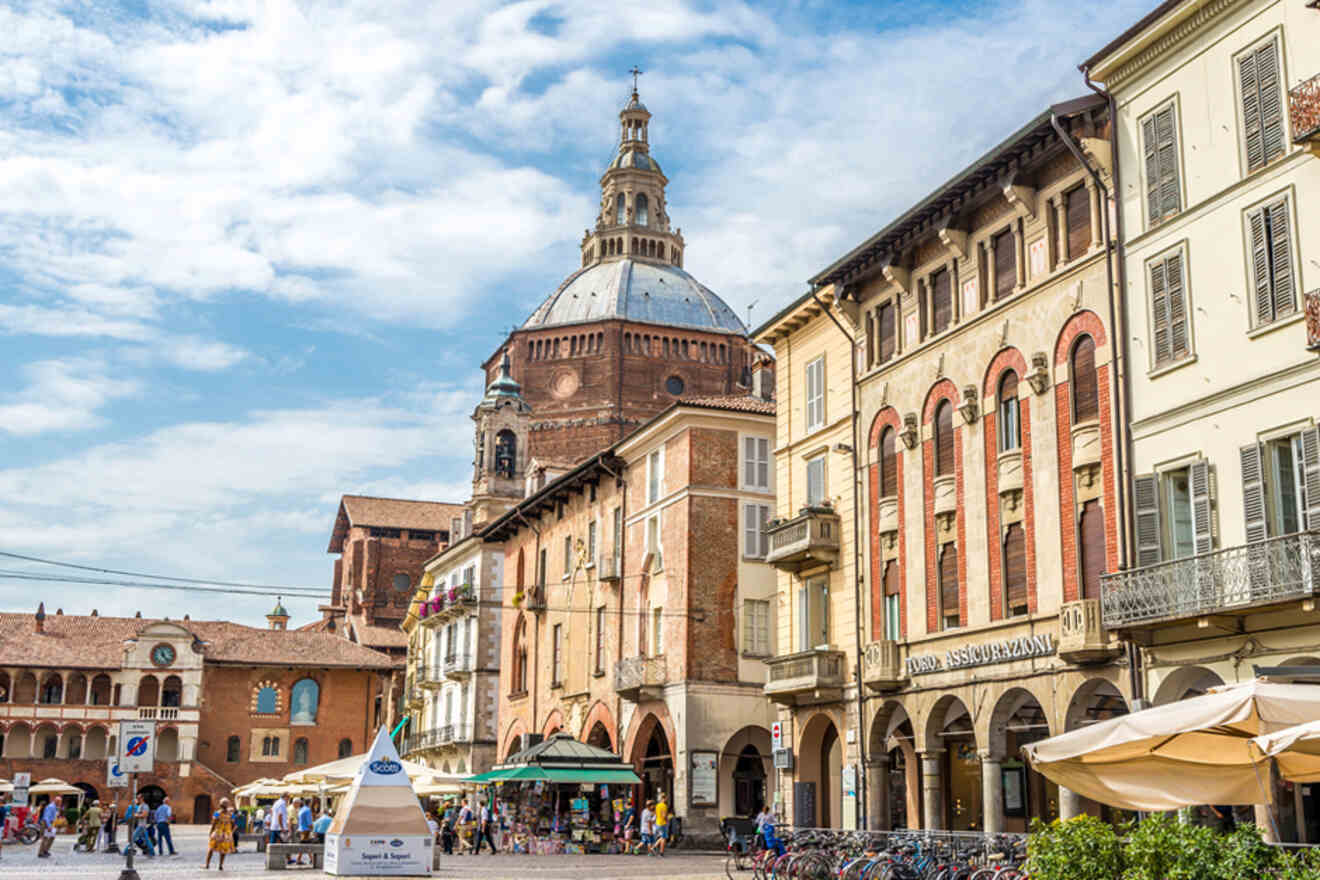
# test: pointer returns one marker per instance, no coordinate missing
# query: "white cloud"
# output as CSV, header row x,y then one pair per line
x,y
61,396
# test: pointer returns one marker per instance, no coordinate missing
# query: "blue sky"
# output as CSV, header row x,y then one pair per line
x,y
252,253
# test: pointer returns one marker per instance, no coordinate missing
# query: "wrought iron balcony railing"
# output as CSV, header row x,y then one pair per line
x,y
812,676
1231,581
637,677
443,735
1311,302
1304,108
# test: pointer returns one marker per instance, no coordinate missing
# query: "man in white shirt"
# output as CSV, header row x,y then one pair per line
x,y
279,820
48,815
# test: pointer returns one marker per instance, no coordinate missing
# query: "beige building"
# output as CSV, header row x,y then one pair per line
x,y
987,493
1218,113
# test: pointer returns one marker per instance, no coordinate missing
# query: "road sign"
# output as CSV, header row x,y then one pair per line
x,y
114,776
22,781
137,746
777,734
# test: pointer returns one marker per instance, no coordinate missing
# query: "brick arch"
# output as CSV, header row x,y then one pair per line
x,y
553,720
941,390
944,389
1007,359
644,720
1085,321
600,712
886,418
515,729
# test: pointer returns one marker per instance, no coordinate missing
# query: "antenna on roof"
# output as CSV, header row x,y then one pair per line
x,y
751,305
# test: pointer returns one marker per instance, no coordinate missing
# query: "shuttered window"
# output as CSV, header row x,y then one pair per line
x,y
756,627
948,573
1091,540
1202,527
1085,389
816,481
888,464
941,288
943,439
1015,570
756,462
1253,493
887,330
1170,330
1271,262
871,353
1262,105
1311,477
756,543
1146,500
1159,136
1005,264
815,381
1078,202
1010,422
892,612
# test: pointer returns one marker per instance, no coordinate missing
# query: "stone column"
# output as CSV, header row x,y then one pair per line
x,y
992,794
1020,252
1093,199
1059,218
932,790
877,794
1070,803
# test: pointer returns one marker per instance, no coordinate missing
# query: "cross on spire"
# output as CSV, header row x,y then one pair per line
x,y
636,72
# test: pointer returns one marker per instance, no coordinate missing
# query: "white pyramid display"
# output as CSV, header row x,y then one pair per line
x,y
379,828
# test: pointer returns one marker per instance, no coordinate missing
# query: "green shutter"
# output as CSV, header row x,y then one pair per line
x,y
1177,299
1146,499
1151,147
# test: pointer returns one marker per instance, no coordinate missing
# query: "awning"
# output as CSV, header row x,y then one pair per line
x,y
532,773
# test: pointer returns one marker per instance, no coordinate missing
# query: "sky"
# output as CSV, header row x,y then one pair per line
x,y
252,254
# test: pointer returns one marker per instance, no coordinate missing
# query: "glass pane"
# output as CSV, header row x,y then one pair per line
x,y
1285,496
1178,509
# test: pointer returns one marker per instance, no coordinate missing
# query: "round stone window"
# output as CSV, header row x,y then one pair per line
x,y
674,385
402,582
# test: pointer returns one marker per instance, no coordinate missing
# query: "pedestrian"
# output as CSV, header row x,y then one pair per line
x,y
485,828
259,820
147,816
447,830
89,828
766,825
648,829
661,824
222,834
111,828
305,822
322,825
279,819
48,815
628,821
164,815
465,823
5,810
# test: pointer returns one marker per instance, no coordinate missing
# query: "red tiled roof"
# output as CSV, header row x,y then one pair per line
x,y
395,513
737,402
378,636
85,642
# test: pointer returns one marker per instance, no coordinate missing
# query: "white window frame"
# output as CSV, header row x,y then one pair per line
x,y
750,443
814,399
824,480
755,515
568,556
655,475
756,628
593,542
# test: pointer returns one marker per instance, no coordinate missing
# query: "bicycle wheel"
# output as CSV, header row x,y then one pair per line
x,y
28,835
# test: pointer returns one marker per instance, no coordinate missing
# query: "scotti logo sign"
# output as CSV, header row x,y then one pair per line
x,y
385,767
396,842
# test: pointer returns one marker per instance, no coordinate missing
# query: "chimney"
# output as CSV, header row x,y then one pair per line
x,y
41,617
763,377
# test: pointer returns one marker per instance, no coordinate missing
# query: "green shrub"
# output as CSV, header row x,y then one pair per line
x,y
1245,854
1161,848
1082,848
1297,865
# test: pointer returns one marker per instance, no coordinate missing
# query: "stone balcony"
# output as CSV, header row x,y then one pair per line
x,y
430,677
812,676
1082,634
1304,108
460,733
882,668
63,712
640,678
458,666
1214,589
807,540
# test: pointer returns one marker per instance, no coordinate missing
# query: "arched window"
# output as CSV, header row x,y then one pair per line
x,y
171,692
520,656
345,748
300,751
506,453
888,464
1085,388
641,212
1010,422
52,690
232,745
267,700
619,210
270,747
944,439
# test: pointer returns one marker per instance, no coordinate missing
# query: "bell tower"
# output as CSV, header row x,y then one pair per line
x,y
503,420
633,222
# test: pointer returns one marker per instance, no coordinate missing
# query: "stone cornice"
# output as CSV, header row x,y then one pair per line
x,y
1165,43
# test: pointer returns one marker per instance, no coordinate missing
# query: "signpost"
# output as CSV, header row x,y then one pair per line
x,y
22,781
115,777
137,749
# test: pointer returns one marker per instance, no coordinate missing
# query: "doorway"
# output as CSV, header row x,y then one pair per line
x,y
748,782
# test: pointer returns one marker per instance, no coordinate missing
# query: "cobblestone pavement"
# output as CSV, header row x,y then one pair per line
x,y
21,863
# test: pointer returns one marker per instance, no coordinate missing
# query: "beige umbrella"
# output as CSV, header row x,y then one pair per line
x,y
1295,750
53,786
345,770
441,784
1194,751
6,787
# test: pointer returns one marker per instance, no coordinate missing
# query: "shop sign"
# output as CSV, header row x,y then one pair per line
x,y
19,797
982,654
705,778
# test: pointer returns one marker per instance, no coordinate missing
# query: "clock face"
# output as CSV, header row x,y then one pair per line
x,y
162,655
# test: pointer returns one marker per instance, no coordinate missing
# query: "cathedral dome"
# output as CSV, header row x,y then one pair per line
x,y
635,159
636,290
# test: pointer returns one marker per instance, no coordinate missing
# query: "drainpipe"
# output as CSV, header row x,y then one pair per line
x,y
857,568
622,486
1124,348
536,642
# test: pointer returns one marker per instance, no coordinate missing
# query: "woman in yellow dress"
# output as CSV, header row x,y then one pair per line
x,y
222,834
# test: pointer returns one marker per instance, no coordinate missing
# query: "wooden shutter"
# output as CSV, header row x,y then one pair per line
x,y
1177,299
1311,476
1253,493
1202,525
1251,111
870,339
1085,392
888,464
1151,148
1159,312
949,583
1260,268
1005,264
1079,222
1091,537
749,626
942,291
891,578
1271,102
1281,277
1160,144
751,530
1146,500
943,439
1015,567
887,330
749,461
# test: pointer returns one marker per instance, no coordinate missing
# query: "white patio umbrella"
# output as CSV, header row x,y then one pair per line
x,y
1194,751
345,770
1295,750
53,786
441,784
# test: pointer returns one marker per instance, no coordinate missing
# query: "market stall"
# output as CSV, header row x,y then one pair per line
x,y
561,796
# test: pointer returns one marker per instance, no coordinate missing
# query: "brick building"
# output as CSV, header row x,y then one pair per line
x,y
232,703
641,610
977,328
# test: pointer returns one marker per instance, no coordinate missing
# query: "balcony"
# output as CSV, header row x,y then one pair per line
x,y
1311,302
447,603
882,669
438,737
430,677
1304,108
1214,587
809,539
610,569
814,676
1082,634
458,666
640,678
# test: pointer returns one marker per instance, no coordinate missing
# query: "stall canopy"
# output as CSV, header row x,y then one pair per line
x,y
1295,750
1195,751
346,770
561,758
